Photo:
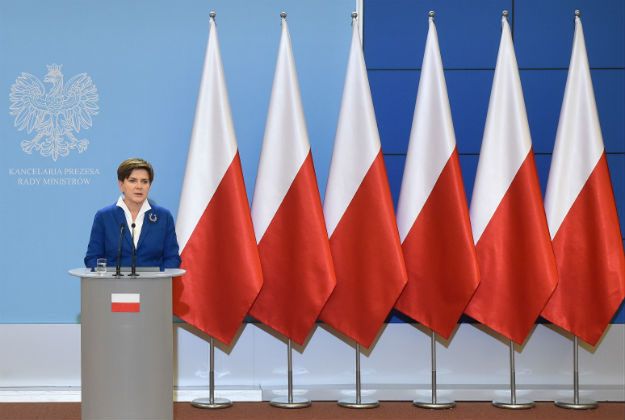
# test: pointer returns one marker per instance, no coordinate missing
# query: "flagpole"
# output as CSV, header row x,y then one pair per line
x,y
577,403
290,401
435,404
358,401
514,403
211,401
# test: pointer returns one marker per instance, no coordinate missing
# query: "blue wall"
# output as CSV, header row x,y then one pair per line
x,y
469,34
145,57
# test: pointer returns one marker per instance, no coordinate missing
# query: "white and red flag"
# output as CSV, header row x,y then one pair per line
x,y
214,226
432,214
581,212
125,302
359,215
287,213
517,266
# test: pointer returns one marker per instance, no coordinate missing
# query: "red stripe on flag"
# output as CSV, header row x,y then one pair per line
x,y
440,256
591,263
296,261
125,307
368,260
223,269
517,265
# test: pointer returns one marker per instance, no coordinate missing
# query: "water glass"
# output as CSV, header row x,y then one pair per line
x,y
100,267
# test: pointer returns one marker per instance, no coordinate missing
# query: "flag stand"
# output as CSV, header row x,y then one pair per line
x,y
358,401
211,401
290,401
514,403
576,404
435,404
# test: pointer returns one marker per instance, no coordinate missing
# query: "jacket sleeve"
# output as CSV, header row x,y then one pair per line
x,y
95,249
171,256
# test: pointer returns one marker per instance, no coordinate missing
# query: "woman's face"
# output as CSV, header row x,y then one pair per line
x,y
136,187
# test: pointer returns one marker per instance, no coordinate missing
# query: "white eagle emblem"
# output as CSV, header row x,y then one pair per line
x,y
54,115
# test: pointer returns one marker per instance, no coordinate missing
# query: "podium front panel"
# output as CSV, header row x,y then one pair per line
x,y
127,348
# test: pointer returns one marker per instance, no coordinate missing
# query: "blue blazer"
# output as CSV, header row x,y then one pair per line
x,y
157,247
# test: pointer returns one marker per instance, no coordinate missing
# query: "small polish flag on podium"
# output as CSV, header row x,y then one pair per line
x,y
125,302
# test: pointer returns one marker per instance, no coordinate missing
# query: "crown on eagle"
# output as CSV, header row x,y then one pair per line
x,y
54,69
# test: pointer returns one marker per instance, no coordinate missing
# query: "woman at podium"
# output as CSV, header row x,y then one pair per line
x,y
134,219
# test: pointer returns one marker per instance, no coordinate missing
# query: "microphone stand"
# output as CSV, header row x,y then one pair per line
x,y
118,267
133,265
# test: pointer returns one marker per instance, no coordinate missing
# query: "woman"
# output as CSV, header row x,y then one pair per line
x,y
133,216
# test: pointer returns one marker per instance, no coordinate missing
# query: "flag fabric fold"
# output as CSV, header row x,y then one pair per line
x,y
432,214
287,213
214,226
517,265
581,212
359,215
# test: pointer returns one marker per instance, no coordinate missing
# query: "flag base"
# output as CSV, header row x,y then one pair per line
x,y
579,405
358,404
576,403
215,403
294,402
438,405
517,405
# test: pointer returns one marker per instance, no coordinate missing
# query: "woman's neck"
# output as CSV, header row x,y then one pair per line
x,y
133,208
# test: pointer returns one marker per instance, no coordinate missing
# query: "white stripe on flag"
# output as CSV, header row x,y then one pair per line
x,y
432,138
579,143
357,141
500,156
285,145
212,140
125,297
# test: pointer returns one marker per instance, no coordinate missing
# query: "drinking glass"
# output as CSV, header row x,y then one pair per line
x,y
100,267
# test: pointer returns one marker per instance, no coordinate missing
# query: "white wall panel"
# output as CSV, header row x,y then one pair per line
x,y
41,362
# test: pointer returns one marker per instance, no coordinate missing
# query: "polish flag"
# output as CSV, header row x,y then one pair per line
x,y
359,215
432,214
125,302
287,213
582,214
517,266
214,225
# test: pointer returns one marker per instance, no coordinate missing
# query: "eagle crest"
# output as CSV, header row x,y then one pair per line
x,y
54,116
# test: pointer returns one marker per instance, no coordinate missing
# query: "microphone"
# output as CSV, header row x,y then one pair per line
x,y
118,267
133,265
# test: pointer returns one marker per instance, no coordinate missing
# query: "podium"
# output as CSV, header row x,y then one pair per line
x,y
126,345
